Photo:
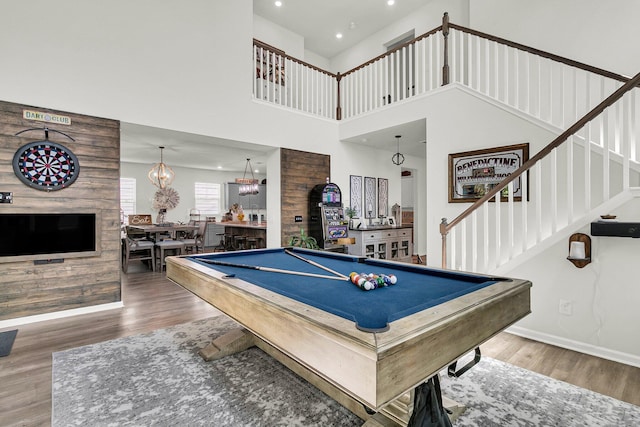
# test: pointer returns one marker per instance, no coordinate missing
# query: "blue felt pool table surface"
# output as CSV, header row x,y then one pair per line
x,y
417,288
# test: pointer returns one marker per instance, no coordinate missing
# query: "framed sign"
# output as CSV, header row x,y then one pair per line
x,y
472,174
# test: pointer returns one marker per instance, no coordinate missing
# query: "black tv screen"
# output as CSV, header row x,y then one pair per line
x,y
46,233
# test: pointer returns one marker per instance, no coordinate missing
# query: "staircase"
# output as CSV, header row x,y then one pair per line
x,y
589,169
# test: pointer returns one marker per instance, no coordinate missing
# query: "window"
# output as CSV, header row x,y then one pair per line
x,y
128,196
207,198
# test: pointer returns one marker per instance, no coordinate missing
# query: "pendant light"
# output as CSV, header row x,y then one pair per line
x,y
248,186
161,175
398,158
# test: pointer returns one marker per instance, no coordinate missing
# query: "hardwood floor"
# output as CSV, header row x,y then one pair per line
x,y
153,302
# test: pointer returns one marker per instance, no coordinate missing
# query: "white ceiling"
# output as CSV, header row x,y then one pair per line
x,y
317,22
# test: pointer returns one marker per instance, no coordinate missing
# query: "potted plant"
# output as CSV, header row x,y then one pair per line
x,y
304,241
350,212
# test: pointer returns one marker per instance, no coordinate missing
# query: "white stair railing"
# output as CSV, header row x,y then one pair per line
x,y
593,161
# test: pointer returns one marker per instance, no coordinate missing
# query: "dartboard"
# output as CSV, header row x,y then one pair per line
x,y
46,165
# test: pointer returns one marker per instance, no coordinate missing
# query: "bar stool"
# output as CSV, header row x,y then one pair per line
x,y
168,245
229,242
252,243
240,242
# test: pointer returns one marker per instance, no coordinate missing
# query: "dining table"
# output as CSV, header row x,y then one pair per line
x,y
156,231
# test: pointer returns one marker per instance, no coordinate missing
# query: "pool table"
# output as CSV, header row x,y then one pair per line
x,y
368,349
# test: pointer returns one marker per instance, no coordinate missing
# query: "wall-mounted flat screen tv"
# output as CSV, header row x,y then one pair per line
x,y
44,234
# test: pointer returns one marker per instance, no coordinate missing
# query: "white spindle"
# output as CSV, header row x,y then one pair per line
x,y
403,71
604,132
506,74
485,236
633,138
524,209
553,191
478,65
570,190
538,198
625,149
527,85
474,241
510,223
587,167
497,234
496,73
452,248
463,244
516,79
539,110
487,67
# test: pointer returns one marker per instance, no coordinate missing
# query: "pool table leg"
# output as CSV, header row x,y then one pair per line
x,y
234,341
396,413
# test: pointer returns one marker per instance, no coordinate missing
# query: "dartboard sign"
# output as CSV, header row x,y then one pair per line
x,y
46,165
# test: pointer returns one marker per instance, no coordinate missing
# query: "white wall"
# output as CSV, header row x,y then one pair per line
x,y
604,296
422,21
599,33
183,184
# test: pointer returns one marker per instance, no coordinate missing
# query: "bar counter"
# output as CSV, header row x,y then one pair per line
x,y
248,230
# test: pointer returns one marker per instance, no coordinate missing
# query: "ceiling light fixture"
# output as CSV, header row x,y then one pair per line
x,y
249,186
398,158
391,2
278,3
338,35
161,175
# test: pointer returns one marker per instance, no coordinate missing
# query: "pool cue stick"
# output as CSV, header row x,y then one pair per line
x,y
272,270
316,264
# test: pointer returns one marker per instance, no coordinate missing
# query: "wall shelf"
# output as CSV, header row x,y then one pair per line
x,y
615,229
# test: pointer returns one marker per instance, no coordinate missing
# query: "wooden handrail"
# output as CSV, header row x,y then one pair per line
x,y
280,52
542,53
597,110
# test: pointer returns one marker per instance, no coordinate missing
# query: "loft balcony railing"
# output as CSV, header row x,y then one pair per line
x,y
551,88
594,160
288,82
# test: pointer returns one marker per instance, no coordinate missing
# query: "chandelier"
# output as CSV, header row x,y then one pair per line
x,y
398,158
249,186
161,175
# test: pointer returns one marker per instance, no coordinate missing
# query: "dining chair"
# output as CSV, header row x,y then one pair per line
x,y
137,250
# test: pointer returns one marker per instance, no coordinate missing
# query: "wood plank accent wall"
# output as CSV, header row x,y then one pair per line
x,y
300,171
27,289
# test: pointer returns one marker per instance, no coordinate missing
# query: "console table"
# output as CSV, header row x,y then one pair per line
x,y
392,243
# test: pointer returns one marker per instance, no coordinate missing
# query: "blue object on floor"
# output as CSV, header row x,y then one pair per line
x,y
6,342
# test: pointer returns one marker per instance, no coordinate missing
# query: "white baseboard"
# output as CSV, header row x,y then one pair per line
x,y
593,350
58,314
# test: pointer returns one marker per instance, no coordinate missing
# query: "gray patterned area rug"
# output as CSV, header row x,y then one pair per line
x,y
158,379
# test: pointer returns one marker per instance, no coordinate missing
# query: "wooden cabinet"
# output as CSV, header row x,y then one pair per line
x,y
394,244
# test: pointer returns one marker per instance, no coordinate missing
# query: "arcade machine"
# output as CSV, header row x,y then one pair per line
x,y
327,222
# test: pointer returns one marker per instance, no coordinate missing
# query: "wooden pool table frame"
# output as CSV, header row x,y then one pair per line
x,y
378,370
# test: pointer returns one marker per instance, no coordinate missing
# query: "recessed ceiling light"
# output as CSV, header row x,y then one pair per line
x,y
338,35
278,3
391,2
219,167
